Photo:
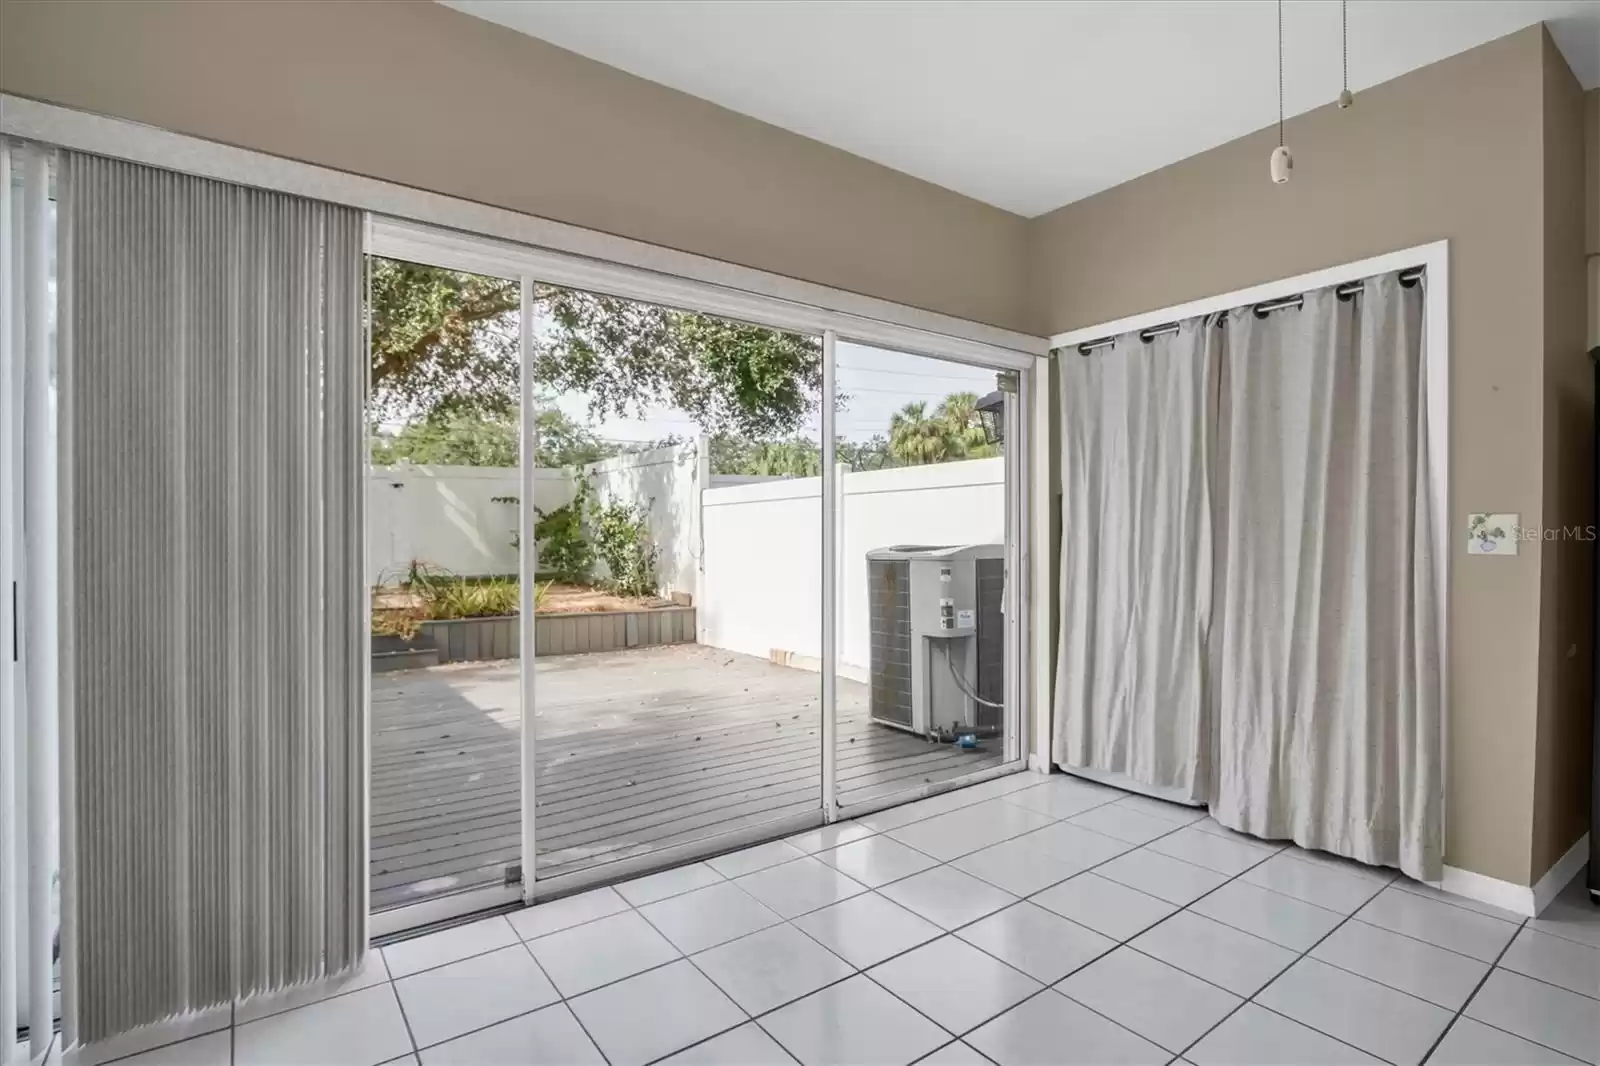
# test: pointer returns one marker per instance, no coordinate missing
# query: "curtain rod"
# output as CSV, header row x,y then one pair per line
x,y
1346,291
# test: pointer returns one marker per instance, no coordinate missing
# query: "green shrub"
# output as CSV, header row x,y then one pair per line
x,y
564,548
622,539
487,599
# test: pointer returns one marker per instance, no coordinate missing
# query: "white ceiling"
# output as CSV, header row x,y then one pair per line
x,y
1028,105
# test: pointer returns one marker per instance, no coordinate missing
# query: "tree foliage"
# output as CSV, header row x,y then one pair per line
x,y
952,431
459,438
445,367
445,342
471,438
629,357
916,437
968,439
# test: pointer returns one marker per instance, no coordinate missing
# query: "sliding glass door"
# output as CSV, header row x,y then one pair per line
x,y
660,571
446,485
677,631
925,600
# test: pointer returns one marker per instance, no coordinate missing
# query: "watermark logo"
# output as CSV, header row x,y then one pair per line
x,y
1499,534
1491,534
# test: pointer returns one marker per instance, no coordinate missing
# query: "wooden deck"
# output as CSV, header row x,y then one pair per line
x,y
637,750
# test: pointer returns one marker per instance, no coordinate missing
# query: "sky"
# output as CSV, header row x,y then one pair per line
x,y
878,383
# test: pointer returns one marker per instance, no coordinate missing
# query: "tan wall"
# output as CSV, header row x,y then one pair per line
x,y
1454,150
425,96
1566,631
1470,149
1591,129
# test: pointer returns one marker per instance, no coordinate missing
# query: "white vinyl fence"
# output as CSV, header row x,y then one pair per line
x,y
748,553
667,483
761,591
464,518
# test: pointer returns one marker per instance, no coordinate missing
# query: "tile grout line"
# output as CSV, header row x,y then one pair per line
x,y
686,957
1051,986
1349,918
1456,1017
1378,888
950,1044
394,990
1128,943
858,971
1541,981
560,1001
1519,1036
862,971
1251,999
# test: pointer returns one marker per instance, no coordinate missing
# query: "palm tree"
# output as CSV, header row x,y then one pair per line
x,y
795,457
915,438
969,440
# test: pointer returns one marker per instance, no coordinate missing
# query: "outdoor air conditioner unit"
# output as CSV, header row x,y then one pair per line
x,y
937,617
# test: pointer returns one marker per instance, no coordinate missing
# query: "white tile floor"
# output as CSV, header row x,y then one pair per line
x,y
1017,922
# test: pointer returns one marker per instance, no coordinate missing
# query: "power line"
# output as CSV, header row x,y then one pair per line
x,y
907,373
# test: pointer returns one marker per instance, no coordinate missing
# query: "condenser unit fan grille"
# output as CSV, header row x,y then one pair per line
x,y
889,609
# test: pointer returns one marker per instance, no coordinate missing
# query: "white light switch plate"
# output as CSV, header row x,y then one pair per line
x,y
1492,534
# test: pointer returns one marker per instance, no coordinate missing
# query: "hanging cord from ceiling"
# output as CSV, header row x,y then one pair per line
x,y
1345,99
1282,163
1348,291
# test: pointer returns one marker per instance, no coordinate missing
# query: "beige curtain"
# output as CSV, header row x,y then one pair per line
x,y
1249,595
1136,559
1327,708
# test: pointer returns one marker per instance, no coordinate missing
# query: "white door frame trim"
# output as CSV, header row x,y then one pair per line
x,y
431,227
1026,469
1435,259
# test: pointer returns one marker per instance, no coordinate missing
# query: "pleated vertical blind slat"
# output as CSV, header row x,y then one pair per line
x,y
215,683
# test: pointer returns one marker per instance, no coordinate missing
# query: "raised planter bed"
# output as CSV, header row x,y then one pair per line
x,y
402,653
476,639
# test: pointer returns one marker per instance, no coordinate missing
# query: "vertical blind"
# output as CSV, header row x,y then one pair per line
x,y
213,682
28,597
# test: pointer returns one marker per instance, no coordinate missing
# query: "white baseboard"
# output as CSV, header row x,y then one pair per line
x,y
1129,784
1518,899
1561,874
1526,900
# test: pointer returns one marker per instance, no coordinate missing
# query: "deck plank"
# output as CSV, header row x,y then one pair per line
x,y
639,749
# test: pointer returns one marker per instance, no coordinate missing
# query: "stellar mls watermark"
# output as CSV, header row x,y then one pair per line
x,y
1490,533
1578,533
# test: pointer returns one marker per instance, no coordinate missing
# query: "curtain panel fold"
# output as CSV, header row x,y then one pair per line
x,y
1136,559
212,369
1249,607
1327,704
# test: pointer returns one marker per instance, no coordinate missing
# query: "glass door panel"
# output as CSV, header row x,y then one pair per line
x,y
923,606
677,641
445,483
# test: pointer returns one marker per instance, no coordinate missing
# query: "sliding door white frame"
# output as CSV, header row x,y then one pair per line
x,y
830,565
1026,493
429,227
413,242
528,564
